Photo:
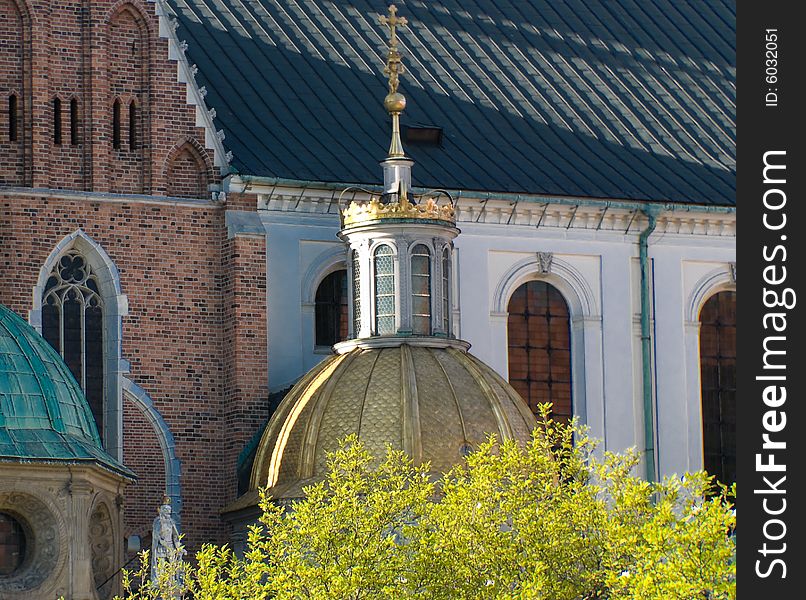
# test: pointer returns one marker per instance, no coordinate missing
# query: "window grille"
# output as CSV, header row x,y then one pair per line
x,y
421,290
718,376
331,309
539,347
72,322
356,295
384,291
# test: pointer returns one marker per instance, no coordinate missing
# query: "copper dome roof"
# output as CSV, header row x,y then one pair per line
x,y
433,402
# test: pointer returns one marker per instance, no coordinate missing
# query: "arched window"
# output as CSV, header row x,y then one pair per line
x,y
331,309
421,290
446,291
73,122
539,347
12,118
116,124
718,376
57,121
132,126
384,291
356,294
12,545
72,322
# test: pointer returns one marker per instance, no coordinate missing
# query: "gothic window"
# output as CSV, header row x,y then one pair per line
x,y
12,118
72,322
539,347
446,299
356,294
116,124
384,291
421,290
57,121
718,375
74,122
186,172
331,309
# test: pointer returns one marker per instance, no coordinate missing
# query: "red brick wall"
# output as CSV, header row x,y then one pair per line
x,y
12,79
170,263
141,447
186,174
245,345
195,334
94,52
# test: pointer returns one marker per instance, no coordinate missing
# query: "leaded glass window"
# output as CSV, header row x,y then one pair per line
x,y
331,309
356,295
539,347
384,291
421,290
446,299
718,375
72,322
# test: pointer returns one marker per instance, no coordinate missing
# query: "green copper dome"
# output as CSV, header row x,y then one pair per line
x,y
44,416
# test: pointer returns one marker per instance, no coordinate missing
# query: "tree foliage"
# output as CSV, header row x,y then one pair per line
x,y
553,520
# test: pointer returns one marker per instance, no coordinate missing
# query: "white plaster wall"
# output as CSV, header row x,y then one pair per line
x,y
597,271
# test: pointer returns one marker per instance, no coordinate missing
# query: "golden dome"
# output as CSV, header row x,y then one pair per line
x,y
436,403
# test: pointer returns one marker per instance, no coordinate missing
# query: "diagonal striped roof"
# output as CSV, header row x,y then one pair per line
x,y
592,98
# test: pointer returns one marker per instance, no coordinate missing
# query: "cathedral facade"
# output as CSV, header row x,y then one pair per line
x,y
174,177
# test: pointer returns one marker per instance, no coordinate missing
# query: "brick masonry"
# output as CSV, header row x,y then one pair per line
x,y
195,333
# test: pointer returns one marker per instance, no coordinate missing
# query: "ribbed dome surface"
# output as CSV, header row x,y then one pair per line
x,y
43,413
435,403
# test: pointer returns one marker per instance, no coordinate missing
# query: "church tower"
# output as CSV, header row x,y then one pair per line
x,y
402,379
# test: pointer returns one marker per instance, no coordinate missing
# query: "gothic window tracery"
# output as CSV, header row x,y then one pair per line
x,y
718,380
539,347
72,322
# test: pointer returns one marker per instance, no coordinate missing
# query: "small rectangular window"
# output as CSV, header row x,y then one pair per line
x,y
132,126
74,122
57,121
12,118
116,125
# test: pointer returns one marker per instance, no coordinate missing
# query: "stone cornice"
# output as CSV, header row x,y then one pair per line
x,y
580,214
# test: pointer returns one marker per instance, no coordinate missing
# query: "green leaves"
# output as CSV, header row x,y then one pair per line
x,y
553,520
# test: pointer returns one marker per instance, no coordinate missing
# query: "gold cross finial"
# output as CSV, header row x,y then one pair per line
x,y
392,21
394,63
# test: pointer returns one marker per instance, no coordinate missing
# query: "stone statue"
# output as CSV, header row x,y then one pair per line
x,y
166,548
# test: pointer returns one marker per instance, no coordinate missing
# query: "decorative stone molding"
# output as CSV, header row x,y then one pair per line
x,y
720,279
47,544
145,404
102,550
564,276
544,260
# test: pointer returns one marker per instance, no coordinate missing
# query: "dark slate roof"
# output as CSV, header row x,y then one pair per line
x,y
594,98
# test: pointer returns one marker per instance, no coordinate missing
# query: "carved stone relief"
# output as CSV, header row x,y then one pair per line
x,y
102,548
40,524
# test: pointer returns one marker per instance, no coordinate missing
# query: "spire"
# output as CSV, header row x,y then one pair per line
x,y
394,102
